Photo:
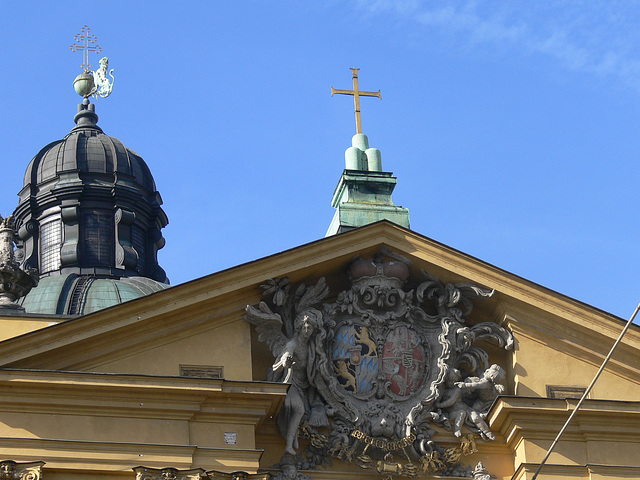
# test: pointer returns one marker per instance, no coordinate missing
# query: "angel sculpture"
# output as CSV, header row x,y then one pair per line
x,y
294,353
484,389
458,411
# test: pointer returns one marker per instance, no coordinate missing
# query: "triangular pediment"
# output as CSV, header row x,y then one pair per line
x,y
155,359
201,322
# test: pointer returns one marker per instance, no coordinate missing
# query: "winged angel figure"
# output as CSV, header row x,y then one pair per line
x,y
289,331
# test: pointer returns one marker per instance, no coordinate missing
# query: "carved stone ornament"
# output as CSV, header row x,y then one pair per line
x,y
480,472
146,473
289,470
10,470
14,282
216,475
378,372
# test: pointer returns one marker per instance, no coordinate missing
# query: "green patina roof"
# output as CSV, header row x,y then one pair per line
x,y
74,294
363,193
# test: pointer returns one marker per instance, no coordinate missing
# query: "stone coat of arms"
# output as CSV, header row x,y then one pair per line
x,y
376,373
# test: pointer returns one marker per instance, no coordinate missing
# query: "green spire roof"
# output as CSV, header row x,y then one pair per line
x,y
363,194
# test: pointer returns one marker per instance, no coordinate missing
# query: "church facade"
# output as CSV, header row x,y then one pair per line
x,y
375,352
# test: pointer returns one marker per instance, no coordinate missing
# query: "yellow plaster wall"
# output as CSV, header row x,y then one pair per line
x,y
575,452
11,327
212,435
101,428
539,362
94,428
228,346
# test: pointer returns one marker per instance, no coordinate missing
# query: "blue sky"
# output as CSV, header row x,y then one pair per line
x,y
513,127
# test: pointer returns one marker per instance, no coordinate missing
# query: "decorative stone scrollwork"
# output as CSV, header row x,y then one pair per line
x,y
126,254
10,470
215,475
70,249
376,374
289,470
169,473
480,472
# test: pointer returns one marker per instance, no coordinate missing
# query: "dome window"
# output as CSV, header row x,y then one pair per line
x,y
98,238
50,242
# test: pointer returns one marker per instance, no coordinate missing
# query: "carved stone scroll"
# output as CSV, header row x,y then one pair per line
x,y
216,475
10,470
169,473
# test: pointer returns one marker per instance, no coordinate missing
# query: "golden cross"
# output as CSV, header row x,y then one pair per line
x,y
84,39
356,97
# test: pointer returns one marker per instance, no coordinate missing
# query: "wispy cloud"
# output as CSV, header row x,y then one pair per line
x,y
591,36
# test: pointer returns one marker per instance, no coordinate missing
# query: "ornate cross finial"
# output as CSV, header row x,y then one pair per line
x,y
356,97
86,43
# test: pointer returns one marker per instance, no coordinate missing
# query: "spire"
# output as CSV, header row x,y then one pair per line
x,y
363,193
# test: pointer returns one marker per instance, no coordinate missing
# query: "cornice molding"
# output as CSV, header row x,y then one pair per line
x,y
517,418
140,396
120,456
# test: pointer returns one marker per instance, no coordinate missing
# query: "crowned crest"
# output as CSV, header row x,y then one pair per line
x,y
379,371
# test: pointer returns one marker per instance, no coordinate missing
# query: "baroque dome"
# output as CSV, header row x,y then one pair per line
x,y
89,214
88,150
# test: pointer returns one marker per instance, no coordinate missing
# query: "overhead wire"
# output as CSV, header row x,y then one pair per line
x,y
586,392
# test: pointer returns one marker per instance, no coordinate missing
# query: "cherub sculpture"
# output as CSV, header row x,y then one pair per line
x,y
479,390
485,389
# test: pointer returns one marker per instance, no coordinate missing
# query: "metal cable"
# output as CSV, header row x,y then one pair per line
x,y
586,392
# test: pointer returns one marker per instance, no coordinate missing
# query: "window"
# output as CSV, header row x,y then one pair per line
x,y
50,243
97,239
564,391
201,371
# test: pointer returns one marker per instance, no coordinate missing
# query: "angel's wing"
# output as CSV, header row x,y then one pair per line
x,y
312,295
269,327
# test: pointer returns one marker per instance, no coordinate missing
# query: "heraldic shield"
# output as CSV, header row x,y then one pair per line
x,y
356,363
381,369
